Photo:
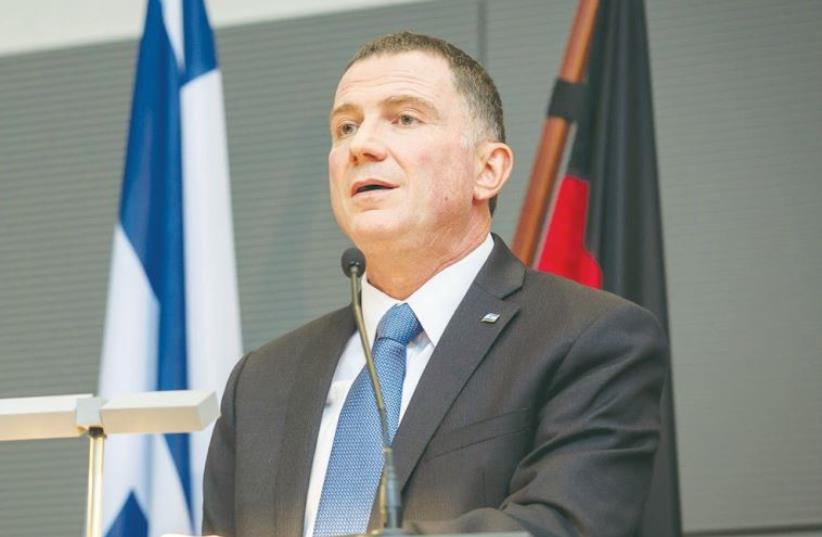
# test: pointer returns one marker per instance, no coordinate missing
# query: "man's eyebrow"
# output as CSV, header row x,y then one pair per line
x,y
342,109
393,102
413,100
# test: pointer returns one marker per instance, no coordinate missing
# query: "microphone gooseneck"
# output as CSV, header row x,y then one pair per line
x,y
353,266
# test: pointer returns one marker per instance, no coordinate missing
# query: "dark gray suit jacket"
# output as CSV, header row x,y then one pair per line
x,y
546,420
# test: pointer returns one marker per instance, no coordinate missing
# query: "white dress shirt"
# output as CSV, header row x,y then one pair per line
x,y
434,304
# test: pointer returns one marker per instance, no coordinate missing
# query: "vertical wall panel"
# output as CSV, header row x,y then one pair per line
x,y
62,126
739,109
526,41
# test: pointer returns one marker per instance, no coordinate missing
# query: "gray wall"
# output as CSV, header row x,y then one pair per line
x,y
739,109
738,90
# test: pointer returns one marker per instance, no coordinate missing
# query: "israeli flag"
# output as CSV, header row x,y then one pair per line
x,y
173,318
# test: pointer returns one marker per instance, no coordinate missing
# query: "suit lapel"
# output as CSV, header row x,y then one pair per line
x,y
462,347
318,362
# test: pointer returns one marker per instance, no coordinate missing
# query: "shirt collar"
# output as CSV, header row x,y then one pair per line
x,y
436,301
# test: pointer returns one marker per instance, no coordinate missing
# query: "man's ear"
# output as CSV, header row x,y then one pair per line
x,y
494,163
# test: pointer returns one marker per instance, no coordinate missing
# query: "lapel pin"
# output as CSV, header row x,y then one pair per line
x,y
490,318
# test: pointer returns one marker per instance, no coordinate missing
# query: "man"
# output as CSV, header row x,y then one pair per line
x,y
516,400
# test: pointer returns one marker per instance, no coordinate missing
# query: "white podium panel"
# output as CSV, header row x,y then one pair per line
x,y
38,418
160,412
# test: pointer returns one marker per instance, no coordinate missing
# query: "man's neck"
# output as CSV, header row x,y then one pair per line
x,y
398,273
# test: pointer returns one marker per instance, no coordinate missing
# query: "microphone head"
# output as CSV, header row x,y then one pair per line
x,y
352,257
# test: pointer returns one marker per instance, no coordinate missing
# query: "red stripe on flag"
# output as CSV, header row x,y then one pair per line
x,y
564,251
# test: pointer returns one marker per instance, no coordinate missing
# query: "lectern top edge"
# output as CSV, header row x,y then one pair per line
x,y
69,416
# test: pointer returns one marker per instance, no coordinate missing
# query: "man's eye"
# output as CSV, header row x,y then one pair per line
x,y
346,129
407,119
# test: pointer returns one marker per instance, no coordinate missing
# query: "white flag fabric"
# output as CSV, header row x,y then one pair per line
x,y
173,317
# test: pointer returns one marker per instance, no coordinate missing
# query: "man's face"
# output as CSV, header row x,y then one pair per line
x,y
403,159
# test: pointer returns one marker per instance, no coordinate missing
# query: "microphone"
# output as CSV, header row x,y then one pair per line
x,y
353,259
353,266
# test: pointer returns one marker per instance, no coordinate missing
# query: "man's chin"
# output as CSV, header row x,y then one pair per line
x,y
371,231
364,237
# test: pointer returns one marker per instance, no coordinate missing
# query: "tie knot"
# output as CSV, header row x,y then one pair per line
x,y
399,324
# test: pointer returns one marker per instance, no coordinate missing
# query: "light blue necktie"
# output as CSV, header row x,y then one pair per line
x,y
356,461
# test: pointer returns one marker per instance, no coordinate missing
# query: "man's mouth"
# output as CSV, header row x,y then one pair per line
x,y
370,185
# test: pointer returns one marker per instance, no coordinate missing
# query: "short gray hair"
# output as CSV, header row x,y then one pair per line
x,y
470,78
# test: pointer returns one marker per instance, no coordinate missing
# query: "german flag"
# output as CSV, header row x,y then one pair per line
x,y
605,226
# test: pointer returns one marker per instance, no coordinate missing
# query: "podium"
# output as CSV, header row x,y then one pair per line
x,y
73,416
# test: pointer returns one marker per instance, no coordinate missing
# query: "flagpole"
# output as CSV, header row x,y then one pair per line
x,y
554,135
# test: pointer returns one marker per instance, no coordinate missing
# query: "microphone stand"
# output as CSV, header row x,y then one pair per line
x,y
390,500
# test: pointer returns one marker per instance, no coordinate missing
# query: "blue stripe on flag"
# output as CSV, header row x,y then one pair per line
x,y
152,181
151,211
199,41
130,521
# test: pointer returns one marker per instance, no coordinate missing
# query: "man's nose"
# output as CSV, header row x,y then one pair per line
x,y
367,144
